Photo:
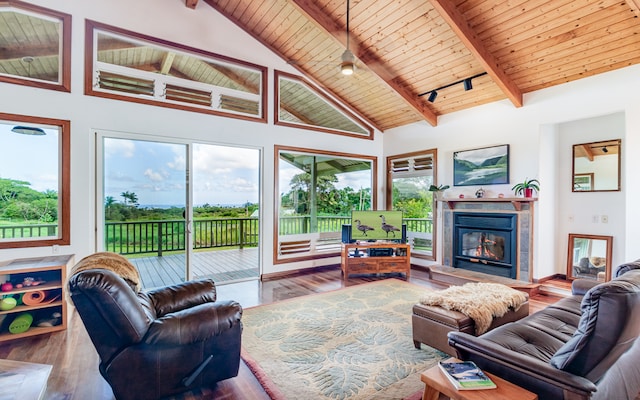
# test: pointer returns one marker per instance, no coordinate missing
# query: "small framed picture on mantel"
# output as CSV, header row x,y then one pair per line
x,y
483,166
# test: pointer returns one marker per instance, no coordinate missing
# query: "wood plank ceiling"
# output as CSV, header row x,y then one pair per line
x,y
405,48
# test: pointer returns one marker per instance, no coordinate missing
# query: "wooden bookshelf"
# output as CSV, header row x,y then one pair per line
x,y
52,273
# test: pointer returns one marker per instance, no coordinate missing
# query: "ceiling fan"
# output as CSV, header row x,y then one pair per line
x,y
347,60
348,65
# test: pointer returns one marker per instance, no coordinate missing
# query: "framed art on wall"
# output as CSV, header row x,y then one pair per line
x,y
484,166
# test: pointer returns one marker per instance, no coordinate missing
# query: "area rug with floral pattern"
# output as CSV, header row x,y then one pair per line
x,y
354,343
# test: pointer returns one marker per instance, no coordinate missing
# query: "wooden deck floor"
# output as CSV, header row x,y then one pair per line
x,y
219,265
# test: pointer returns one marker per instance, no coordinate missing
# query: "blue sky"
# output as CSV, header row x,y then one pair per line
x,y
155,172
29,158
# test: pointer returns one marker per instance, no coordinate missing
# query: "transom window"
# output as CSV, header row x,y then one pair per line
x,y
134,67
36,46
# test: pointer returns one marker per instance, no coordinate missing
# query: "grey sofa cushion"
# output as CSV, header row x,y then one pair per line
x,y
608,327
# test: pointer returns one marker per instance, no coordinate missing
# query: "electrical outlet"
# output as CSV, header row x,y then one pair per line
x,y
595,219
55,249
604,219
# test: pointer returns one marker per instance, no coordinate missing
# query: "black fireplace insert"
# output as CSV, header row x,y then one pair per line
x,y
485,242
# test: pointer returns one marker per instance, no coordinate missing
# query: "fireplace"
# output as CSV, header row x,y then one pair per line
x,y
485,242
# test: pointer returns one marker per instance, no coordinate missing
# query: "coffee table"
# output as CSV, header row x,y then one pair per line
x,y
436,383
22,380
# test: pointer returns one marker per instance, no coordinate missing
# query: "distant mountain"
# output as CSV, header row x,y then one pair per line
x,y
494,161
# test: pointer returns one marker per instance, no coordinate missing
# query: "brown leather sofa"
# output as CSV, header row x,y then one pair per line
x,y
583,347
159,342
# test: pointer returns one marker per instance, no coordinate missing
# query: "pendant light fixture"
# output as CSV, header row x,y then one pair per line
x,y
348,65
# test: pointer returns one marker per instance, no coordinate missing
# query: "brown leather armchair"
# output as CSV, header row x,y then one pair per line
x,y
159,342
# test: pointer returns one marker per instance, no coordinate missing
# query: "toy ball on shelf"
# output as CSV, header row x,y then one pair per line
x,y
8,303
21,324
5,287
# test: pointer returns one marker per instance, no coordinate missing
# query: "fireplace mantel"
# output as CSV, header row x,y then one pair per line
x,y
516,201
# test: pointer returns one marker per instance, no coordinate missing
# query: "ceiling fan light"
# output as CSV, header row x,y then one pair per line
x,y
432,96
467,84
347,68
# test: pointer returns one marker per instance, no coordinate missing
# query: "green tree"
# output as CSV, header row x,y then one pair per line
x,y
130,198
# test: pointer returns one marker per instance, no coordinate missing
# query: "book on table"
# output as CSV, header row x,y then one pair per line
x,y
465,375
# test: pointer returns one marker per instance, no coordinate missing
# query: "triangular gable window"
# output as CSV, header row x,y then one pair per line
x,y
302,105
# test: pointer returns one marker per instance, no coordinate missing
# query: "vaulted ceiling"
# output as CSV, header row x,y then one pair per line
x,y
407,48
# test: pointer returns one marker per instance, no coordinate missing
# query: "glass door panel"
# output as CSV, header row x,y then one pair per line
x,y
145,207
226,187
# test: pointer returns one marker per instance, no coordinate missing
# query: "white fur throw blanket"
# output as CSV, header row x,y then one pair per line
x,y
479,301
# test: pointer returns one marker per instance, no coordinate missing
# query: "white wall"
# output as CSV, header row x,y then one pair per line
x,y
532,131
204,29
540,135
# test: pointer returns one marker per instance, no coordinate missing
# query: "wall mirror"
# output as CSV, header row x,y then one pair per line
x,y
596,166
589,257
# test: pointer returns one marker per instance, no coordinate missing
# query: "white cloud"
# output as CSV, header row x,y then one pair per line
x,y
154,176
119,147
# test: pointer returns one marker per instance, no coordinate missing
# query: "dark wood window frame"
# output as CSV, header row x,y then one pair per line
x,y
276,215
389,193
64,84
92,26
319,92
64,176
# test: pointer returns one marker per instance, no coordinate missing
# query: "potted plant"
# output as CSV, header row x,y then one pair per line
x,y
438,190
527,187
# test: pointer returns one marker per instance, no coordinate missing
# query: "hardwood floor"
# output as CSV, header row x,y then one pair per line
x,y
75,373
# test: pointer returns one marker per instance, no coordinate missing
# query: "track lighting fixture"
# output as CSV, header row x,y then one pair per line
x,y
467,86
604,149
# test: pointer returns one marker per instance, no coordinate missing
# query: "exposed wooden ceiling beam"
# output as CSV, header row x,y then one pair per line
x,y
635,6
191,3
167,62
373,63
467,36
277,51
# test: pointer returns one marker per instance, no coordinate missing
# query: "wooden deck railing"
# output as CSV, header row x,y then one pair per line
x,y
155,237
28,231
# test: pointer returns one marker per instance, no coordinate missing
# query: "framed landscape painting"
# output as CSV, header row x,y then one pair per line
x,y
484,166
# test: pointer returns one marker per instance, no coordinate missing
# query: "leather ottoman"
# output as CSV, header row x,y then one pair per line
x,y
431,324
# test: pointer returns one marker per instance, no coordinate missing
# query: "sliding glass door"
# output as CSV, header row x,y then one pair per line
x,y
181,211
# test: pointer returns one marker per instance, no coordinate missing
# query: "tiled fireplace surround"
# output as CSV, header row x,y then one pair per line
x,y
524,225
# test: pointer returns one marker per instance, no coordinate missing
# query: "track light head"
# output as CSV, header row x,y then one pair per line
x,y
604,149
432,96
467,84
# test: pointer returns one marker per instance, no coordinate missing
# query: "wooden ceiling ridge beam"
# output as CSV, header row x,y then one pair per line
x,y
635,6
214,4
373,63
460,26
